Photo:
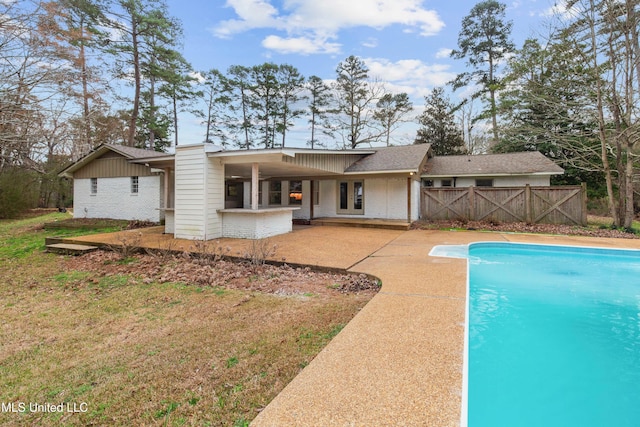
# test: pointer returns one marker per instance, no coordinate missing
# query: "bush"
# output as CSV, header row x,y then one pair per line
x,y
18,192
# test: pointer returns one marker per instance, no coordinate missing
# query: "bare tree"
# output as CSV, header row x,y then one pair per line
x,y
356,97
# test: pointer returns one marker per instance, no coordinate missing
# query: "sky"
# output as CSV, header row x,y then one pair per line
x,y
404,43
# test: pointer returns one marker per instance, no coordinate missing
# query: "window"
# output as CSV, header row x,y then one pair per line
x,y
445,183
484,183
134,185
427,183
295,192
94,185
275,192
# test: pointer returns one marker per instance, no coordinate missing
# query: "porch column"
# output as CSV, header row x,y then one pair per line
x,y
409,182
167,173
255,182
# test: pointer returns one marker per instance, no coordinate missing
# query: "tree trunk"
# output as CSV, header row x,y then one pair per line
x,y
85,91
137,82
152,118
175,118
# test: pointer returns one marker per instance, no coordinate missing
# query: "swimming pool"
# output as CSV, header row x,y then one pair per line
x,y
553,336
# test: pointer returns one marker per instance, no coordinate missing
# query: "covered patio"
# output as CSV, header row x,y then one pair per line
x,y
254,194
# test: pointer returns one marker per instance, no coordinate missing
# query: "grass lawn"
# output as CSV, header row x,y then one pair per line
x,y
117,350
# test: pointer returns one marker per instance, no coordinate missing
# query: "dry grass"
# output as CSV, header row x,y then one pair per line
x,y
141,353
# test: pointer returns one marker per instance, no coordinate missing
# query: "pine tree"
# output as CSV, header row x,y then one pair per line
x,y
484,41
439,127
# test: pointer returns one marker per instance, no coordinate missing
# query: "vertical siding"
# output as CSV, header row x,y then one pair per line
x,y
327,162
111,167
214,191
190,193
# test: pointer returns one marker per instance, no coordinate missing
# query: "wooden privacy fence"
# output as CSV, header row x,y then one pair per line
x,y
546,205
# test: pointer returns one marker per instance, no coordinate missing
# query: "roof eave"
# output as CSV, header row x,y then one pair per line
x,y
96,152
379,172
155,159
427,175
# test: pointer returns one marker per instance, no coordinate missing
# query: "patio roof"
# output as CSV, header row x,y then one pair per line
x,y
288,162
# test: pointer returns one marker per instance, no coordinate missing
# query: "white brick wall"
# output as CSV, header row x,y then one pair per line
x,y
415,199
383,198
115,200
503,181
256,225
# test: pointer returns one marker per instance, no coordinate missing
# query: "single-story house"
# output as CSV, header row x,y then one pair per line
x,y
205,192
490,170
108,183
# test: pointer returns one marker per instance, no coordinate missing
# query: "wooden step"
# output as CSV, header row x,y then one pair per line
x,y
362,223
70,248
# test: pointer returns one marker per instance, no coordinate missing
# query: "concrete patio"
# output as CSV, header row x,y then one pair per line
x,y
399,361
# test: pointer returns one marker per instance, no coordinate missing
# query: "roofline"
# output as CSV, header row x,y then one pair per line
x,y
90,156
383,171
426,175
153,159
291,152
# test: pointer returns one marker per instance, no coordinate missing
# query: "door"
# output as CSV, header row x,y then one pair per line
x,y
351,197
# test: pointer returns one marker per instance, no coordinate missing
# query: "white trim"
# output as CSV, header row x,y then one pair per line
x,y
473,175
383,172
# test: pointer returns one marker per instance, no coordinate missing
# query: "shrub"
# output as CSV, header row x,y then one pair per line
x,y
18,192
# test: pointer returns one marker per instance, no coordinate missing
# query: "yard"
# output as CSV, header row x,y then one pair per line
x,y
154,339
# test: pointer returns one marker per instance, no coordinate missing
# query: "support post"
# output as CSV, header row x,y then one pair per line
x,y
165,196
311,201
255,182
409,180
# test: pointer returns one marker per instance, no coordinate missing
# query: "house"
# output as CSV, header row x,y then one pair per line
x,y
490,170
108,184
205,192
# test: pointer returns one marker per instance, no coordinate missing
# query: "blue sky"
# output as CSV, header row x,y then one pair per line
x,y
405,43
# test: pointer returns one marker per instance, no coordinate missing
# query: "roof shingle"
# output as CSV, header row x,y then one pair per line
x,y
401,158
530,162
135,153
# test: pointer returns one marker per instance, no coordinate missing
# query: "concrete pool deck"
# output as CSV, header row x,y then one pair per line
x,y
399,361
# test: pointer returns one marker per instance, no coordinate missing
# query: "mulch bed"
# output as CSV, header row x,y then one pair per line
x,y
521,227
192,270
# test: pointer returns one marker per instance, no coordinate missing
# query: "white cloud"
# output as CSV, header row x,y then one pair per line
x,y
315,21
559,10
300,45
370,43
443,53
251,14
410,75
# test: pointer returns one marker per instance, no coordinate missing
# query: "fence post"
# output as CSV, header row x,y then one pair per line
x,y
583,194
527,204
472,207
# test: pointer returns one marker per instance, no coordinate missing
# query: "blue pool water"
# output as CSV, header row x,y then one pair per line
x,y
553,336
